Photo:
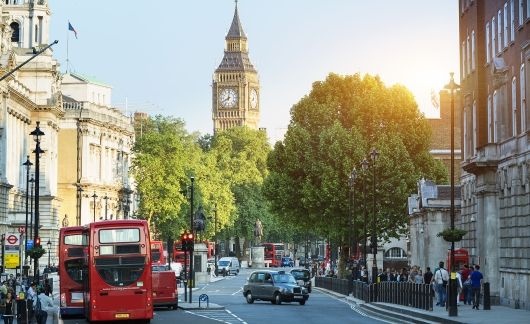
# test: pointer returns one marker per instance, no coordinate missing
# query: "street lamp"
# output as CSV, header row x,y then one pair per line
x,y
94,196
31,182
364,166
37,134
79,201
191,276
453,310
49,244
374,154
351,184
28,165
106,204
215,239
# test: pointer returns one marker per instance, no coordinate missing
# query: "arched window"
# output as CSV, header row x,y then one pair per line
x,y
15,37
395,253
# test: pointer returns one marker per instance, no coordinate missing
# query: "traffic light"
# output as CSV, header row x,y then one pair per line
x,y
186,240
190,241
37,242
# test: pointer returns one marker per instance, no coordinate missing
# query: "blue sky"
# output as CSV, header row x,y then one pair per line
x,y
160,55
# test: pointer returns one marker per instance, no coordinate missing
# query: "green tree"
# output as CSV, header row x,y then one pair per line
x,y
331,131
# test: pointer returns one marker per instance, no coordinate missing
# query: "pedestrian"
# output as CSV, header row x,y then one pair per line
x,y
427,276
476,283
9,313
393,276
419,277
466,282
46,307
403,276
459,287
441,278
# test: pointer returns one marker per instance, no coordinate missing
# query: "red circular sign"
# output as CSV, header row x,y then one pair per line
x,y
12,239
21,229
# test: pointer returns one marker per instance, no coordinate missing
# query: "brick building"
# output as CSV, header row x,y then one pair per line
x,y
441,133
494,64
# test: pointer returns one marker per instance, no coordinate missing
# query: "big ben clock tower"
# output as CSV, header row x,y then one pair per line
x,y
235,86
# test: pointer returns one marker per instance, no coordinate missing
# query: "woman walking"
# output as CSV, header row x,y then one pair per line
x,y
10,308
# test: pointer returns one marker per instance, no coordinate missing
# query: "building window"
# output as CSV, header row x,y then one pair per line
x,y
493,37
488,57
521,12
527,9
495,112
512,21
15,36
522,87
473,54
468,56
490,121
463,60
514,107
395,253
36,34
465,133
506,24
499,31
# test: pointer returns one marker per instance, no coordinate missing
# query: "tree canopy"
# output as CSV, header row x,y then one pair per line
x,y
332,129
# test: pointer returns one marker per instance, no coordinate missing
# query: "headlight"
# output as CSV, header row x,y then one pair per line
x,y
304,291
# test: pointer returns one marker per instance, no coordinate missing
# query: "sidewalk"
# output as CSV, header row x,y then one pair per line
x,y
497,314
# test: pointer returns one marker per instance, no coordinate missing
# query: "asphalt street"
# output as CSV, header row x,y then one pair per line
x,y
320,308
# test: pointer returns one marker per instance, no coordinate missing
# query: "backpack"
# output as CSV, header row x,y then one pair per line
x,y
38,307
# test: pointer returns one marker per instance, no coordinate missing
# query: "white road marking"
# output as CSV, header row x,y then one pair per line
x,y
238,291
223,316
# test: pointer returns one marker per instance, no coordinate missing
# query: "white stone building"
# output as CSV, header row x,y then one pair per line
x,y
29,95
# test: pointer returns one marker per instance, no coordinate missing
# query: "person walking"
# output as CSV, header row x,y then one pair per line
x,y
466,282
476,283
9,313
441,278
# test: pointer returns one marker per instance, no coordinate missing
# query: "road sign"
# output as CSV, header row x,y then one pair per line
x,y
29,245
12,239
11,260
21,229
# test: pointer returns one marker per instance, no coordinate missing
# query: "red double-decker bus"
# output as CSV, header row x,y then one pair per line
x,y
119,271
71,259
157,253
273,253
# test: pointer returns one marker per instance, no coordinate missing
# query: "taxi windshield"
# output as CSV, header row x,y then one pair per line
x,y
284,278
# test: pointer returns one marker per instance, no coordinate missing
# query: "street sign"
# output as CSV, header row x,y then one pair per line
x,y
11,260
29,245
21,230
12,239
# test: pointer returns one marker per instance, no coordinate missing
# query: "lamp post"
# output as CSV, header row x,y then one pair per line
x,y
191,276
37,134
364,165
31,182
351,184
106,205
94,196
79,201
49,244
215,238
374,154
28,165
453,310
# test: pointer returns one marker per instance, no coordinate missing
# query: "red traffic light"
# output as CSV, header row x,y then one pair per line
x,y
37,241
190,236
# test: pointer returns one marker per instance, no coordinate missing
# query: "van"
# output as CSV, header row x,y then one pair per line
x,y
228,265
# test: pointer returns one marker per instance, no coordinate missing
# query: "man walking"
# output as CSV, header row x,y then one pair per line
x,y
476,283
441,278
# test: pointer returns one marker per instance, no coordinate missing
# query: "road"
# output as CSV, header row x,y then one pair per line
x,y
320,308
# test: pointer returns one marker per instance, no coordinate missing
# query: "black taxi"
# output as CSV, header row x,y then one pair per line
x,y
274,286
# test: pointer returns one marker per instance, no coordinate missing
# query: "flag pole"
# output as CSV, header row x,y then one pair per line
x,y
67,39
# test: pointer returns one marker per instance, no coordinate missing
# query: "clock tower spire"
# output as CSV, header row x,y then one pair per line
x,y
235,85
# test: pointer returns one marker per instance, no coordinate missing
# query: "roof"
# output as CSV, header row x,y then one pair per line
x,y
235,61
88,79
444,192
236,30
68,99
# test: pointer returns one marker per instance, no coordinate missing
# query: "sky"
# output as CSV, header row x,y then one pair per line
x,y
159,56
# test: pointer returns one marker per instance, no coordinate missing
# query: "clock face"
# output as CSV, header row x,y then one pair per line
x,y
253,98
228,98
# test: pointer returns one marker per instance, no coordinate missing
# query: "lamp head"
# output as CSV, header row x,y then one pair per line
x,y
364,164
37,133
374,154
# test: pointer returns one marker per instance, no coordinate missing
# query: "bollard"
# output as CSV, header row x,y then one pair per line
x,y
487,303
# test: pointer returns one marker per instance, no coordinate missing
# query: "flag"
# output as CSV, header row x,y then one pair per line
x,y
70,27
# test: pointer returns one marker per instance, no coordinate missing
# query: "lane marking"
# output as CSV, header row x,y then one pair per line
x,y
238,291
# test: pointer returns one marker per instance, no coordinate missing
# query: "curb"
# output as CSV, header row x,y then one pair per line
x,y
195,306
410,312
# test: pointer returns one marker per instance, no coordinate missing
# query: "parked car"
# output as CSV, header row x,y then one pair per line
x,y
274,286
228,265
287,262
303,278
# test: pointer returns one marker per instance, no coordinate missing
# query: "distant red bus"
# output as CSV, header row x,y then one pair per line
x,y
71,259
157,253
118,263
273,253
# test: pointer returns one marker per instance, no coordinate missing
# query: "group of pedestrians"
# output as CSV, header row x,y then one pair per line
x,y
37,302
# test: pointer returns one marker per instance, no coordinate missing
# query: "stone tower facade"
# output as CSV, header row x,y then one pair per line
x,y
235,85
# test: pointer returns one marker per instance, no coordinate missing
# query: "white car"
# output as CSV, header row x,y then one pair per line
x,y
177,268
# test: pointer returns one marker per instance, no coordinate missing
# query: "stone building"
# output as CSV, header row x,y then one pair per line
x,y
29,95
430,213
95,144
495,60
235,85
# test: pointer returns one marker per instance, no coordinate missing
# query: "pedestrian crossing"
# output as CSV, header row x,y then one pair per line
x,y
223,316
